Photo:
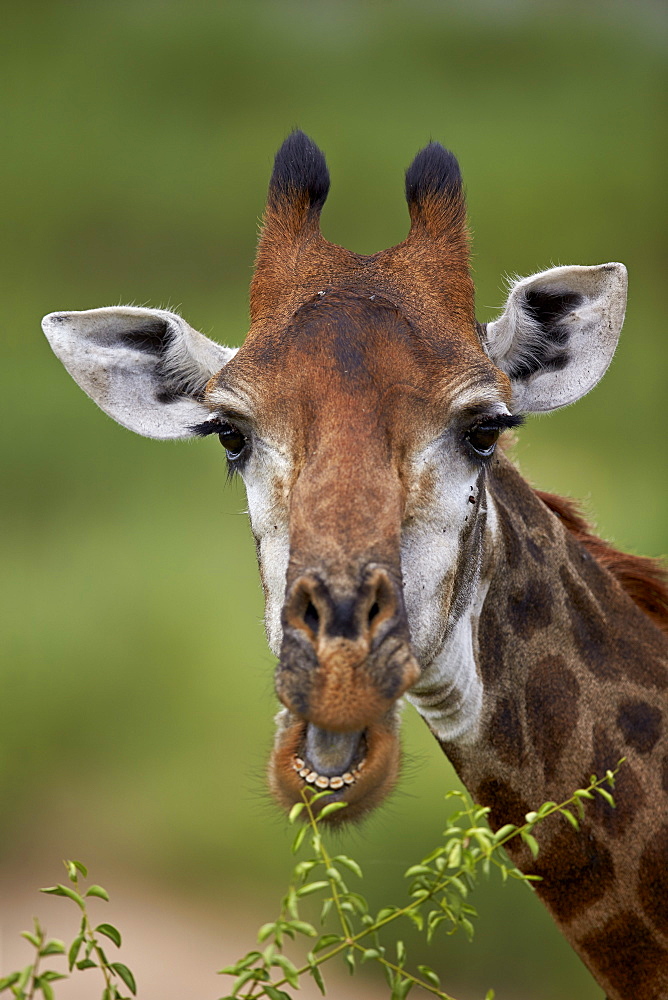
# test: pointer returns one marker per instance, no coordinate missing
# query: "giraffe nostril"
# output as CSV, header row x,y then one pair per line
x,y
311,616
374,611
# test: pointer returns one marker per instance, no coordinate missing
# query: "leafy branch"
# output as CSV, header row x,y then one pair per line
x,y
85,952
439,889
438,897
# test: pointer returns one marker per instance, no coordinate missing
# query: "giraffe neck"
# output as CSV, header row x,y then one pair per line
x,y
575,677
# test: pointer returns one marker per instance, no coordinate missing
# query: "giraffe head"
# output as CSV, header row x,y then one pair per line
x,y
362,412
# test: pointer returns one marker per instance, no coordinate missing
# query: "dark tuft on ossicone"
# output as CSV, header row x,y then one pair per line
x,y
299,168
434,171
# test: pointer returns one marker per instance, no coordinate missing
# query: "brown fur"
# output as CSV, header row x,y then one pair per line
x,y
644,580
569,697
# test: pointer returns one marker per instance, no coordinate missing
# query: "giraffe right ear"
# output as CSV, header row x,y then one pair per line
x,y
146,368
558,333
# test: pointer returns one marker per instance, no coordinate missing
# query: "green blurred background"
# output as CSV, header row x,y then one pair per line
x,y
136,687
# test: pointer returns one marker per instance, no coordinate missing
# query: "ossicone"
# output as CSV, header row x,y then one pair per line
x,y
434,190
300,179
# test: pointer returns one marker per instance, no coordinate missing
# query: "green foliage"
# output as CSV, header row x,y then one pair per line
x,y
345,925
85,951
439,889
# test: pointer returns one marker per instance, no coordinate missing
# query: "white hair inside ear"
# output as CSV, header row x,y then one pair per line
x,y
146,368
558,333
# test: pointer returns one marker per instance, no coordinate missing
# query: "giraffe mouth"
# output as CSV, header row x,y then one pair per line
x,y
330,760
359,768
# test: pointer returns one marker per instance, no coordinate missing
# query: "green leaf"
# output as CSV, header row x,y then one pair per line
x,y
455,855
349,863
297,808
74,951
310,887
86,963
401,953
111,932
531,817
53,947
82,868
531,843
326,940
299,839
467,927
72,873
29,936
571,818
350,960
24,976
266,931
429,975
607,796
490,994
330,808
317,975
401,988
97,890
415,918
302,927
275,994
9,981
369,953
459,886
51,976
125,975
289,970
64,890
46,988
316,796
417,870
242,979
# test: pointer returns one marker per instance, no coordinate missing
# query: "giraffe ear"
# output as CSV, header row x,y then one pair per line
x,y
146,368
558,332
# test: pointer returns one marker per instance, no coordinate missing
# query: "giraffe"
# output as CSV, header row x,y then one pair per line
x,y
403,554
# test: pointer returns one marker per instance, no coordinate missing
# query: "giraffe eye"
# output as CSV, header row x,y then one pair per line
x,y
232,440
483,438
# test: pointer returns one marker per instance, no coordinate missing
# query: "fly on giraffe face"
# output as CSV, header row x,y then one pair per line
x,y
401,552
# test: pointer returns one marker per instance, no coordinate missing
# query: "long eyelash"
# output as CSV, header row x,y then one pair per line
x,y
213,427
208,427
503,421
233,470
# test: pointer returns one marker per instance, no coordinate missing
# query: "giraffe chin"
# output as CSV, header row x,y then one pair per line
x,y
371,759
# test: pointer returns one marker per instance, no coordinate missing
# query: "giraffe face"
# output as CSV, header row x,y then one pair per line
x,y
361,412
365,484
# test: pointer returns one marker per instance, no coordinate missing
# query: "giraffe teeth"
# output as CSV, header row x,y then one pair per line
x,y
321,780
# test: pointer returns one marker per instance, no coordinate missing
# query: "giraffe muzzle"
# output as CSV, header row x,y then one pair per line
x,y
345,658
345,661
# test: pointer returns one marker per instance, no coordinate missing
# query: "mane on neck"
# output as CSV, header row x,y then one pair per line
x,y
644,580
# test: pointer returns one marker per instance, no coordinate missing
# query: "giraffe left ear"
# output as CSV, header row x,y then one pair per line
x,y
558,332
